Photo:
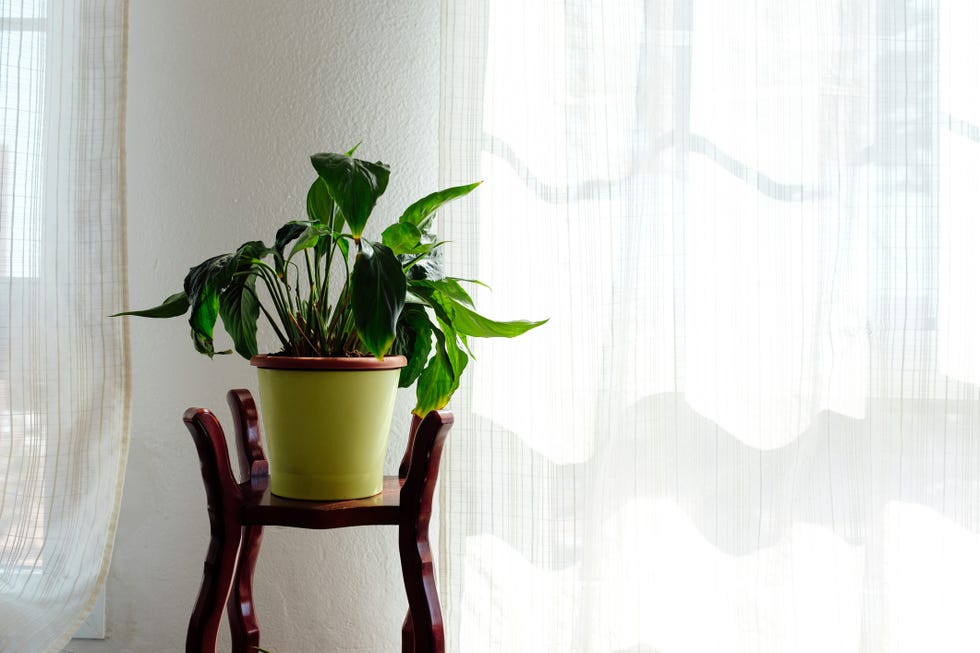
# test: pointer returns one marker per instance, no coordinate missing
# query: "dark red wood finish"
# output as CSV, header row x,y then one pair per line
x,y
424,620
238,511
254,467
224,497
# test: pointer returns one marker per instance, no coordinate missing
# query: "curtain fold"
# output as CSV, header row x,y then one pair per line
x,y
752,420
64,395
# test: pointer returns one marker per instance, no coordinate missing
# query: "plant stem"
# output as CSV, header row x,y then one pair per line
x,y
336,319
274,286
350,344
309,273
268,316
312,309
299,330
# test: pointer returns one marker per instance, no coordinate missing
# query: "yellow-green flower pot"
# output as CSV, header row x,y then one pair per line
x,y
326,423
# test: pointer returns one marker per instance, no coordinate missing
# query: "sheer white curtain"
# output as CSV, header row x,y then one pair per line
x,y
63,369
753,422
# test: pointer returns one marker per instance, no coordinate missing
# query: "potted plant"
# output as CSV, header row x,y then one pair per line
x,y
355,318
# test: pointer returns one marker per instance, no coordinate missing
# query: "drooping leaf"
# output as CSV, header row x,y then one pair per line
x,y
353,184
413,339
420,213
456,309
250,251
445,310
201,286
204,284
309,238
285,235
470,323
402,238
435,385
239,310
457,357
475,281
172,306
441,376
441,305
204,313
451,287
378,288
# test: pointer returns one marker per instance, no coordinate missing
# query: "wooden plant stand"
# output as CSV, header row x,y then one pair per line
x,y
238,512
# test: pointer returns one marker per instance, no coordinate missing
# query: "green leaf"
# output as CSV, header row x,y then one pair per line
x,y
401,237
239,310
343,246
451,288
249,252
441,305
474,281
205,282
441,377
420,213
413,340
457,357
453,306
435,384
426,269
470,323
338,221
309,238
200,285
354,185
172,306
324,211
203,317
378,288
286,234
319,206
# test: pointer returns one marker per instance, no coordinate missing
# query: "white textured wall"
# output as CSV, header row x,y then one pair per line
x,y
226,101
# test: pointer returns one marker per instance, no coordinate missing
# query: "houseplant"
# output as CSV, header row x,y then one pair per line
x,y
354,318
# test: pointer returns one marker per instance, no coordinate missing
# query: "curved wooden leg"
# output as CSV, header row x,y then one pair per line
x,y
226,531
219,569
255,469
408,634
241,610
423,626
424,621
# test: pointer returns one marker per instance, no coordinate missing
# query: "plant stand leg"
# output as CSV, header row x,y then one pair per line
x,y
423,626
224,499
219,568
241,611
424,621
408,634
255,473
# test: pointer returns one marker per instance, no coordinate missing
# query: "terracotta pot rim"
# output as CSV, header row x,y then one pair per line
x,y
339,363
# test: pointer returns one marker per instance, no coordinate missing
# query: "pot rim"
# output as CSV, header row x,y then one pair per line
x,y
339,363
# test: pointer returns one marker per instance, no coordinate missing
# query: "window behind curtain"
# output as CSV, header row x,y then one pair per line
x,y
63,364
22,83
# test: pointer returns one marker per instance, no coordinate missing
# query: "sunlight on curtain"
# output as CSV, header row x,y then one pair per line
x,y
959,192
752,421
63,370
